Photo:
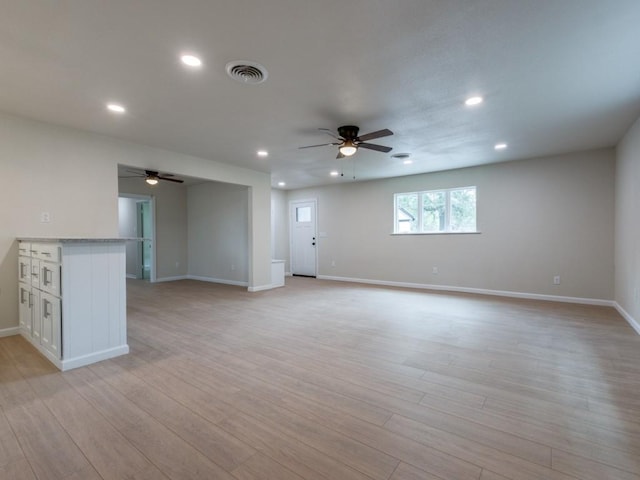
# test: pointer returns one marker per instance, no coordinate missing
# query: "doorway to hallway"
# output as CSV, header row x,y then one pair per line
x,y
136,220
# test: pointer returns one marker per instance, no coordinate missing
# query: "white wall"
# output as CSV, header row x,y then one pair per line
x,y
218,232
73,175
627,215
171,223
538,218
280,227
128,228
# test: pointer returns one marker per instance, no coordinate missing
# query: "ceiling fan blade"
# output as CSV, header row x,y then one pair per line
x,y
330,132
377,148
131,176
378,134
320,145
171,179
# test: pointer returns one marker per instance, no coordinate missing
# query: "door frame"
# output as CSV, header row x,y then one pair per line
x,y
152,213
315,226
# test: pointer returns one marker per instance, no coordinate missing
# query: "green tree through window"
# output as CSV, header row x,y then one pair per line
x,y
436,211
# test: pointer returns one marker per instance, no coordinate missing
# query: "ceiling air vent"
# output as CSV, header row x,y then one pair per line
x,y
247,72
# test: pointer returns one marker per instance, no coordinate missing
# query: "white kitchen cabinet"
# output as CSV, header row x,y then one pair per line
x,y
72,299
51,323
25,308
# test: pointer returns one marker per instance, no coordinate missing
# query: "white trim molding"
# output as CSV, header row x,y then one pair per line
x,y
9,332
237,283
94,357
261,288
479,291
171,279
630,320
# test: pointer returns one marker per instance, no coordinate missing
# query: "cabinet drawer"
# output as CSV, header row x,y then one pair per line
x,y
49,278
24,249
46,251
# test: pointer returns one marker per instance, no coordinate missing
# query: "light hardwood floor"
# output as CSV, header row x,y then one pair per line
x,y
328,380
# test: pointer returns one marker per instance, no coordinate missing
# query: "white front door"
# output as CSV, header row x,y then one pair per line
x,y
303,238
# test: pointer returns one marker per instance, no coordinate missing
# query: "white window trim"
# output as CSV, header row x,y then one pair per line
x,y
447,218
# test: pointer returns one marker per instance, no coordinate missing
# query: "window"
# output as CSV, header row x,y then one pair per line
x,y
436,211
303,214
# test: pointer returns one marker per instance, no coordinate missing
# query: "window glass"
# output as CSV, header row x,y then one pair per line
x,y
436,211
407,213
303,214
463,210
433,211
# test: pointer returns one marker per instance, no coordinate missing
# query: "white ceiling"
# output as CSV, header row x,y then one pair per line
x,y
556,75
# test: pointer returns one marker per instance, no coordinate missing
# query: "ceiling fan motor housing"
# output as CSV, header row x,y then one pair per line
x,y
348,132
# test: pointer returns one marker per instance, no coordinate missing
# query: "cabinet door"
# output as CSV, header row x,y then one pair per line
x,y
51,323
50,277
24,269
36,317
25,305
35,273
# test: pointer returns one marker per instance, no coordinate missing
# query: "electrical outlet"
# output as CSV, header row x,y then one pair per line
x,y
177,264
435,270
333,263
45,217
233,267
556,280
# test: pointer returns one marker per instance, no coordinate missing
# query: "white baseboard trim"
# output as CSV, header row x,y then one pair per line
x,y
218,280
288,274
172,279
131,275
9,332
479,291
93,357
261,288
630,320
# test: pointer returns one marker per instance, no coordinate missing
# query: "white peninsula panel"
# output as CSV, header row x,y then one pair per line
x,y
87,312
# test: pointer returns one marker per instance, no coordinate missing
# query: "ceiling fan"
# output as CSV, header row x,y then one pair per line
x,y
152,177
349,141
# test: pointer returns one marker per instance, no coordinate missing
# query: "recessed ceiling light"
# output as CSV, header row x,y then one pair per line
x,y
500,146
471,101
334,173
116,108
262,153
191,61
408,162
281,184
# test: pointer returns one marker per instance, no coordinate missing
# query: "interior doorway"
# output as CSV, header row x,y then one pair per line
x,y
145,229
303,238
136,220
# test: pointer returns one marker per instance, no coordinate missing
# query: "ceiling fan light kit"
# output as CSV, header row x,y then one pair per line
x,y
348,149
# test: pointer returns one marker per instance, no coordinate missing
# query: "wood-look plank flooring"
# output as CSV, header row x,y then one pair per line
x,y
328,380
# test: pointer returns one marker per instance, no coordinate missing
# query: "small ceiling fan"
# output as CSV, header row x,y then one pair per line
x,y
152,177
349,141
